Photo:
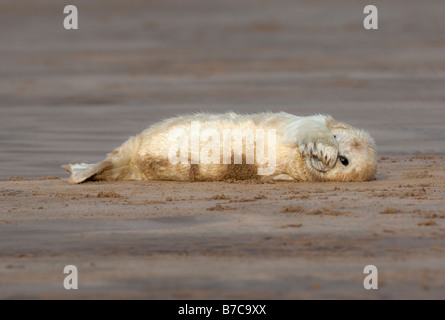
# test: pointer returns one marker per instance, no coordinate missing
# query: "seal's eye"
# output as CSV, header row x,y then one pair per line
x,y
343,160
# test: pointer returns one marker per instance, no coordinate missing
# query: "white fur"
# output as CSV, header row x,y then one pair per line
x,y
307,149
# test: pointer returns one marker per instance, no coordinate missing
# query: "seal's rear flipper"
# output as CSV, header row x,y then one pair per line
x,y
83,171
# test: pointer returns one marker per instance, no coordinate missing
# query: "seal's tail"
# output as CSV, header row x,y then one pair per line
x,y
83,171
118,165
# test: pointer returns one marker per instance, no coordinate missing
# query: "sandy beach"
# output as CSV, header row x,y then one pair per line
x,y
69,96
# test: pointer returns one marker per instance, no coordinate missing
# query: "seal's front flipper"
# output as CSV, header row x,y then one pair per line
x,y
83,171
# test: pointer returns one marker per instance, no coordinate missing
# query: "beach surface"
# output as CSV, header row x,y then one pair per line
x,y
70,96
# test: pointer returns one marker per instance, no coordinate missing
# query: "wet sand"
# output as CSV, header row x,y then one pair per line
x,y
73,96
232,240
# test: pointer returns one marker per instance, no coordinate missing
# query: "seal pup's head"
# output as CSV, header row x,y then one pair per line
x,y
357,156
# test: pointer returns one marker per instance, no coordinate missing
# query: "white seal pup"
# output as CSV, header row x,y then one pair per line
x,y
313,148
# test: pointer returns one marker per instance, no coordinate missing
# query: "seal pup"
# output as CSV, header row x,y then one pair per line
x,y
311,148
